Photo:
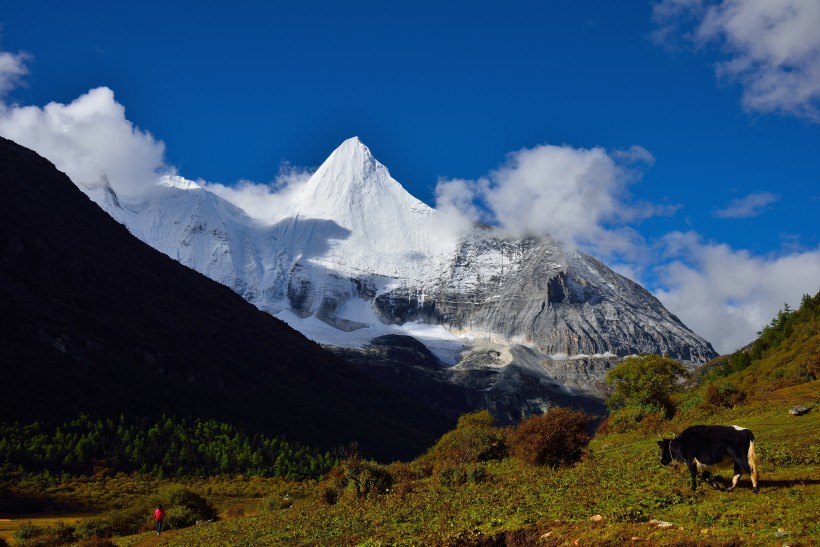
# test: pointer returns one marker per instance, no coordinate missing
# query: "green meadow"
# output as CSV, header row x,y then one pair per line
x,y
614,496
617,493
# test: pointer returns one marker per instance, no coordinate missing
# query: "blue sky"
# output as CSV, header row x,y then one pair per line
x,y
700,117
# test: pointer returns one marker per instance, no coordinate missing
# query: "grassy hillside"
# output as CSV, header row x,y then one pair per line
x,y
508,502
786,353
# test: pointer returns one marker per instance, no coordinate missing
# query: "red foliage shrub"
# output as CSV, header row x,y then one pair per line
x,y
556,438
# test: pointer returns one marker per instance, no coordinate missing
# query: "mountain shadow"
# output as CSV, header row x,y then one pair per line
x,y
93,320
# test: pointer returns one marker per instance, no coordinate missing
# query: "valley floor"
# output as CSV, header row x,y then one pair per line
x,y
617,495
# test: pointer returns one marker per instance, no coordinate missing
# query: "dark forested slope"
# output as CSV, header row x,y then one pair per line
x,y
93,320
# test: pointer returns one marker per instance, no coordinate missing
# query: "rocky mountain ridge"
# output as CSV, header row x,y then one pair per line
x,y
354,257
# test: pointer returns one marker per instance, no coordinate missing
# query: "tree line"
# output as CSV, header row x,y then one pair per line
x,y
782,326
781,329
165,446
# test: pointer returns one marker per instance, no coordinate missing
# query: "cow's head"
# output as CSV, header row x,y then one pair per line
x,y
666,451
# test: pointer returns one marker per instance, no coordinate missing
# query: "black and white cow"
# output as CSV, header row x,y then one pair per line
x,y
703,446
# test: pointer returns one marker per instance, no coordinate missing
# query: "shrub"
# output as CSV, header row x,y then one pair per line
x,y
724,395
646,419
556,438
359,477
118,522
127,521
65,533
474,440
99,527
652,423
628,514
276,504
452,476
28,531
366,478
330,495
690,401
810,369
646,381
477,474
333,485
183,507
31,535
407,472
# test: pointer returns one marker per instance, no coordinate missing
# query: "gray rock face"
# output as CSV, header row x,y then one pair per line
x,y
531,291
510,387
547,325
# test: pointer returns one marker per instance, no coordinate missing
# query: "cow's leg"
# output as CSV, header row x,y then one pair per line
x,y
693,472
752,464
753,474
738,472
707,477
705,474
751,469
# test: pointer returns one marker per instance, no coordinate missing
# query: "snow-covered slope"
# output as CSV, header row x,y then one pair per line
x,y
355,257
367,221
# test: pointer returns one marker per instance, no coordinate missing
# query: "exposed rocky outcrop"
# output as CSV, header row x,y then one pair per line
x,y
532,291
512,383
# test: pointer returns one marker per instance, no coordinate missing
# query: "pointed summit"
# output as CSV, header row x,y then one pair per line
x,y
352,149
372,221
351,183
351,162
353,144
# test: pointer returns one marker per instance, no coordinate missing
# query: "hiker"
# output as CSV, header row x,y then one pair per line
x,y
159,514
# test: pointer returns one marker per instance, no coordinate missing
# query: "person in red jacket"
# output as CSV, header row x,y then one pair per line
x,y
159,514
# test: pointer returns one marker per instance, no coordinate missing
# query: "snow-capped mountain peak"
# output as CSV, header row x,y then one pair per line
x,y
175,181
364,220
352,183
356,256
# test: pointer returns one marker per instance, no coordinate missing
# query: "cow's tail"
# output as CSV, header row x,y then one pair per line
x,y
752,459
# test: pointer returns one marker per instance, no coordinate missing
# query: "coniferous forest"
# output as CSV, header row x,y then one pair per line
x,y
162,447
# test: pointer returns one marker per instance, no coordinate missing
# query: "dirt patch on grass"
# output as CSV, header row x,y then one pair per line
x,y
799,394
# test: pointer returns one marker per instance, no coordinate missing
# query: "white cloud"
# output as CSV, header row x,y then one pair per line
x,y
265,202
576,195
581,196
749,206
12,69
459,198
634,155
727,295
457,207
90,140
771,47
